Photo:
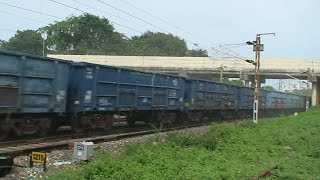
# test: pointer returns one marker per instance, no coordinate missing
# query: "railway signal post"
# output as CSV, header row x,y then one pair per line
x,y
257,47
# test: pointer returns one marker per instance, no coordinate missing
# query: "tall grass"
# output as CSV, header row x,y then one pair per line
x,y
226,151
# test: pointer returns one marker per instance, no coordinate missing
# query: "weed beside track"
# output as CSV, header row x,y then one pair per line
x,y
226,151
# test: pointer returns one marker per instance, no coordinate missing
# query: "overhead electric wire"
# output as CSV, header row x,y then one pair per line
x,y
23,17
167,22
67,6
119,17
237,54
30,10
86,12
133,16
192,42
195,44
9,30
56,17
228,54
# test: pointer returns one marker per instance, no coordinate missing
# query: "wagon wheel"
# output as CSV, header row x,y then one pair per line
x,y
76,126
109,119
45,127
3,132
4,171
131,121
104,122
3,135
93,122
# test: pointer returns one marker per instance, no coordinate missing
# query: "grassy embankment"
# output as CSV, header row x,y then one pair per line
x,y
227,151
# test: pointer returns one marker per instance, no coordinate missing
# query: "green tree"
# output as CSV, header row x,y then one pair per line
x,y
302,92
27,41
268,87
233,82
85,34
2,42
158,44
197,53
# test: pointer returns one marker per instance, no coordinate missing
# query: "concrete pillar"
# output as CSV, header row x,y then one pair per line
x,y
183,74
246,78
315,90
246,83
253,83
315,93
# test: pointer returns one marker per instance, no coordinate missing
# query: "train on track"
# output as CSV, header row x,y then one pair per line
x,y
39,94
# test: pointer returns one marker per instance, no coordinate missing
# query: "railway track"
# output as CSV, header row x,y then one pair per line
x,y
64,135
47,144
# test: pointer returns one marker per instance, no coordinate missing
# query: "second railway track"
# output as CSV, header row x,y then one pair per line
x,y
47,144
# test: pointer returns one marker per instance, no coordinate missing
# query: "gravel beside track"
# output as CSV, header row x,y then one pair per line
x,y
59,159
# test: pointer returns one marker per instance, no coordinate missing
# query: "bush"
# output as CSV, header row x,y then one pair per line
x,y
226,151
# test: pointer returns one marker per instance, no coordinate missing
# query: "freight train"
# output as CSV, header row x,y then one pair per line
x,y
39,94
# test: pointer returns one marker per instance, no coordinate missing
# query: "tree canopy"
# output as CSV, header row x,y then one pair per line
x,y
1,43
90,34
233,82
301,92
27,41
84,34
158,44
197,53
268,87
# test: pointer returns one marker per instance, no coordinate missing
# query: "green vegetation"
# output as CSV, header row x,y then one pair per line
x,y
301,92
93,35
268,87
27,41
233,82
1,43
227,151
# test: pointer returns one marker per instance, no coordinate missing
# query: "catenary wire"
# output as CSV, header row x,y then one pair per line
x,y
9,30
194,43
133,16
53,16
45,14
24,17
156,17
119,17
85,12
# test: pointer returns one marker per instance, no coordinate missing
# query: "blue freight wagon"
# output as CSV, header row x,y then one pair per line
x,y
31,87
279,101
209,99
97,92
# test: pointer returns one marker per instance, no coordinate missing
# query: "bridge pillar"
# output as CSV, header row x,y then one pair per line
x,y
183,74
262,80
246,83
246,78
315,90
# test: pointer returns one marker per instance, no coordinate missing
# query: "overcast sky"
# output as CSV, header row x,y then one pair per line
x,y
209,22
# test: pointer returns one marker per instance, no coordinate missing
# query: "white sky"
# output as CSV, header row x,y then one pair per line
x,y
295,22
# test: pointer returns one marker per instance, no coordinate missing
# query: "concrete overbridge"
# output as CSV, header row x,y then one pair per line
x,y
214,68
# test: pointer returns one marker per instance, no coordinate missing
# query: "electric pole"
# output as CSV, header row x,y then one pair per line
x,y
257,47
